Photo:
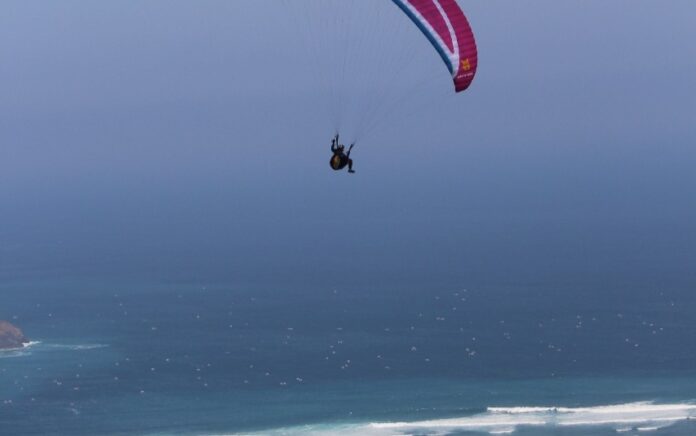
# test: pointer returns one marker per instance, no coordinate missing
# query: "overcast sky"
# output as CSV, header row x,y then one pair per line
x,y
192,138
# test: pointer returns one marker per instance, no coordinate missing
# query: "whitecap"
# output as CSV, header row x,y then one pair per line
x,y
640,416
24,346
39,346
19,351
76,347
15,352
31,344
503,431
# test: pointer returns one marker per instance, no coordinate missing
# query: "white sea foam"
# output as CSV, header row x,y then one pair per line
x,y
641,416
15,352
77,347
39,346
19,351
31,344
25,345
644,416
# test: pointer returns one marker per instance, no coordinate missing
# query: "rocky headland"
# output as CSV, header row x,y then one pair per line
x,y
11,336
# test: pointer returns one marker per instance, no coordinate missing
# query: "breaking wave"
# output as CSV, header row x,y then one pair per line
x,y
15,352
77,347
19,352
37,346
640,416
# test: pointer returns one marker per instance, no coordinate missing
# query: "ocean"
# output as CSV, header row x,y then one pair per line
x,y
220,359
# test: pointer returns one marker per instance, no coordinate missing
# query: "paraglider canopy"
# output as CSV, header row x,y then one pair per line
x,y
444,24
370,62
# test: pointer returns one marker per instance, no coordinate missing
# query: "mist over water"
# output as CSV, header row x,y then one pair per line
x,y
148,139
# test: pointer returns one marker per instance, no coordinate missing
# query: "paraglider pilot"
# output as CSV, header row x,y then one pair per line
x,y
340,157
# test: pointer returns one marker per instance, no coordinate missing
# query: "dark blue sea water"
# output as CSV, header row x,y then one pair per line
x,y
207,358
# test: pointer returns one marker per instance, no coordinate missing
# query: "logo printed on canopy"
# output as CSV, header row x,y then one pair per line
x,y
447,29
